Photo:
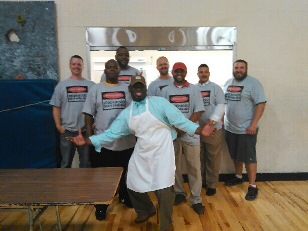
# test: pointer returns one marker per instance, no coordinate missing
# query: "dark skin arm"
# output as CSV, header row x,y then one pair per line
x,y
89,122
194,118
205,130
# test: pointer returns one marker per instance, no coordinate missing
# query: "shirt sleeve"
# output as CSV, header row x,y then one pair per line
x,y
151,90
198,101
219,109
258,93
56,97
117,129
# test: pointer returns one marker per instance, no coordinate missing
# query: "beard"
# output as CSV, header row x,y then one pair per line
x,y
164,71
123,63
240,76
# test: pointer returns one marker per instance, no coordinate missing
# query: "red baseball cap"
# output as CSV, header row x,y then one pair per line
x,y
179,65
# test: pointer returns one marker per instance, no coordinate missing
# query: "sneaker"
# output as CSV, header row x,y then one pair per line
x,y
145,217
234,181
179,198
199,208
252,193
210,191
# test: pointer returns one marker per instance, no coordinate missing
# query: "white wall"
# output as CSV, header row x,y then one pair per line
x,y
271,35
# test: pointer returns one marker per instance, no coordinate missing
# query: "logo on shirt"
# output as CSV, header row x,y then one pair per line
x,y
77,89
179,99
124,78
113,95
162,87
113,100
206,95
77,93
181,102
234,93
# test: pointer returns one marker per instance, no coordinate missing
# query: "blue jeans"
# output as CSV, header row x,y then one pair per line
x,y
68,150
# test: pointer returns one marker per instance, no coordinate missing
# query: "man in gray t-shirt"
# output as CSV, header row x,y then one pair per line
x,y
126,71
67,100
187,98
104,103
211,146
164,79
245,100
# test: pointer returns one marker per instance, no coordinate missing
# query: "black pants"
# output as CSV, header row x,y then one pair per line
x,y
109,158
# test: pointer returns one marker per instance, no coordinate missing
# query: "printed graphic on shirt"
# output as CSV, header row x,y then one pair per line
x,y
113,100
206,95
234,93
124,78
181,102
77,93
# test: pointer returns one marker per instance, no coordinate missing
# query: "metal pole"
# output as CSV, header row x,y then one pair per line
x,y
30,212
58,218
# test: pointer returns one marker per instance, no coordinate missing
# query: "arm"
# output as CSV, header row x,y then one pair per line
x,y
218,112
219,109
89,121
117,129
198,109
195,116
56,113
252,128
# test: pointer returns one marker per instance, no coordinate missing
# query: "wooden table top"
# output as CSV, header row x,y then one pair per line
x,y
58,186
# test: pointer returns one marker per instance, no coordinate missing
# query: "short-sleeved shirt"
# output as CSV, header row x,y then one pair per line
x,y
212,95
159,107
157,86
70,95
124,75
188,100
241,100
105,102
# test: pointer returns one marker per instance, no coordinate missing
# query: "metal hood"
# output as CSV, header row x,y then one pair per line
x,y
161,38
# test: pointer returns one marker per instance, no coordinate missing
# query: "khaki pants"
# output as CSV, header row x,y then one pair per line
x,y
210,157
191,154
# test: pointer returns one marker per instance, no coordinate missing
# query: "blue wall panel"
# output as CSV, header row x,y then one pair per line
x,y
28,133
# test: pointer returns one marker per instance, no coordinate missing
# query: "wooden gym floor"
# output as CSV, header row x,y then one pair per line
x,y
281,205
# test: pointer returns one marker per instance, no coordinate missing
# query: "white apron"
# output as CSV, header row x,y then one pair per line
x,y
152,164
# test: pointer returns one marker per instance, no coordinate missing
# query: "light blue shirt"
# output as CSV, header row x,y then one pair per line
x,y
159,107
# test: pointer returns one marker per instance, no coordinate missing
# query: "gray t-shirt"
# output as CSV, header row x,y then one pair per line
x,y
70,95
157,86
124,75
188,100
242,98
213,101
105,103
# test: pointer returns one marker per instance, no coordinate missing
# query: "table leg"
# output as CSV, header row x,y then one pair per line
x,y
58,218
30,212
